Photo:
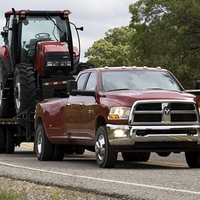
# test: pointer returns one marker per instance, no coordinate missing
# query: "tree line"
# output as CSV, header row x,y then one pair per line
x,y
160,33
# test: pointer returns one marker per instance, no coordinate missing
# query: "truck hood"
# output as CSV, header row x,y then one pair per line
x,y
128,97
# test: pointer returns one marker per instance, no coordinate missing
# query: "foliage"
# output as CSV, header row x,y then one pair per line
x,y
161,33
113,50
167,34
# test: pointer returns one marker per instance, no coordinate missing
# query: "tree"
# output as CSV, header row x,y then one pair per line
x,y
167,34
113,50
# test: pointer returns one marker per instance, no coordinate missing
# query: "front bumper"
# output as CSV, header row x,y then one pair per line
x,y
125,135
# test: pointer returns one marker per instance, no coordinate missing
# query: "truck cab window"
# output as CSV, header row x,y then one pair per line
x,y
92,82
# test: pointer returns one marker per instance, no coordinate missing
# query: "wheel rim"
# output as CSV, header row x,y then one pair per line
x,y
100,147
39,142
17,93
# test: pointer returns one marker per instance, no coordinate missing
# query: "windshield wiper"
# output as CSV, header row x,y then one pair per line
x,y
155,88
117,89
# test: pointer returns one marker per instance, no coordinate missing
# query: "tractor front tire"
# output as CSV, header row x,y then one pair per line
x,y
24,87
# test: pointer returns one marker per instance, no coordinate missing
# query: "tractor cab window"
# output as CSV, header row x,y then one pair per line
x,y
35,29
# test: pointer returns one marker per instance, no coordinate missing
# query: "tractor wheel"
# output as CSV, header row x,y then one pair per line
x,y
6,102
24,88
43,148
2,141
106,157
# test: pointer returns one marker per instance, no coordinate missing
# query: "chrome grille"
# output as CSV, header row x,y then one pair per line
x,y
163,112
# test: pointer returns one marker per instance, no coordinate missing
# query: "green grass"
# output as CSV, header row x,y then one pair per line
x,y
12,195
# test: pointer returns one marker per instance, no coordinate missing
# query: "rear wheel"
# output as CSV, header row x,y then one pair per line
x,y
24,87
43,148
130,156
144,156
105,156
193,159
6,101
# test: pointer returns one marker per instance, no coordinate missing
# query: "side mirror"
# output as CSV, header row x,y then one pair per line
x,y
71,85
198,84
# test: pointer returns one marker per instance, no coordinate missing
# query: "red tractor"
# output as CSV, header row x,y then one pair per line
x,y
37,59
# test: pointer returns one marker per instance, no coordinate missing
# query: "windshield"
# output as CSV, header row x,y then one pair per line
x,y
43,28
138,80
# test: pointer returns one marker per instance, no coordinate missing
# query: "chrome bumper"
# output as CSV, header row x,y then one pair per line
x,y
127,135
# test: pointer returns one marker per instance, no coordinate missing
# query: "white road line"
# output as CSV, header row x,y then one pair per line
x,y
104,180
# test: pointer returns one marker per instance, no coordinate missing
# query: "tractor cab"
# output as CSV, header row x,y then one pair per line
x,y
41,38
37,59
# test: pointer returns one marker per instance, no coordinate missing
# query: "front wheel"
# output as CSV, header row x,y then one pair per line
x,y
24,87
43,148
105,156
193,159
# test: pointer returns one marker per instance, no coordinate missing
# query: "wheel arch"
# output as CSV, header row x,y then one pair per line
x,y
100,121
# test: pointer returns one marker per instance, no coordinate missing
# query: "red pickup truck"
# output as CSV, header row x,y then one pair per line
x,y
132,110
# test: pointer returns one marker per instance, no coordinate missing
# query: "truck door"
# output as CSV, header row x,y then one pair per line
x,y
87,109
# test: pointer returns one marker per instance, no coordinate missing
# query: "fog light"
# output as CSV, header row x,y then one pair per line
x,y
119,133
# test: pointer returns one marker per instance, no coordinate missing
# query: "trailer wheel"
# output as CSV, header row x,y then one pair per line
x,y
105,156
10,142
6,101
193,159
44,149
2,141
24,87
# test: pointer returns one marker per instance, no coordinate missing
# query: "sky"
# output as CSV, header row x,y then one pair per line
x,y
96,16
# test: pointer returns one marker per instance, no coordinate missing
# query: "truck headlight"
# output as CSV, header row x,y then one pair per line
x,y
119,113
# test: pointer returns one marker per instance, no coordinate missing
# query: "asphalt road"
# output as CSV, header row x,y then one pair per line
x,y
158,179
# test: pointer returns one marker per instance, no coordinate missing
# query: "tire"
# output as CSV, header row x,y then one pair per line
x,y
105,156
24,88
144,156
10,142
43,148
130,156
193,159
6,103
58,152
2,141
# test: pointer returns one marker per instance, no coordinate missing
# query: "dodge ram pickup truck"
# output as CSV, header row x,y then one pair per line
x,y
131,110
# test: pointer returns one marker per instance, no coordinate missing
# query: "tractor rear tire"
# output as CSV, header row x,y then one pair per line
x,y
6,102
24,87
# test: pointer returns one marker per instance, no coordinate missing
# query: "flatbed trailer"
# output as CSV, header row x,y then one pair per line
x,y
14,131
20,128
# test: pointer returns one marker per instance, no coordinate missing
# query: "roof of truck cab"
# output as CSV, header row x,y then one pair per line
x,y
123,68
